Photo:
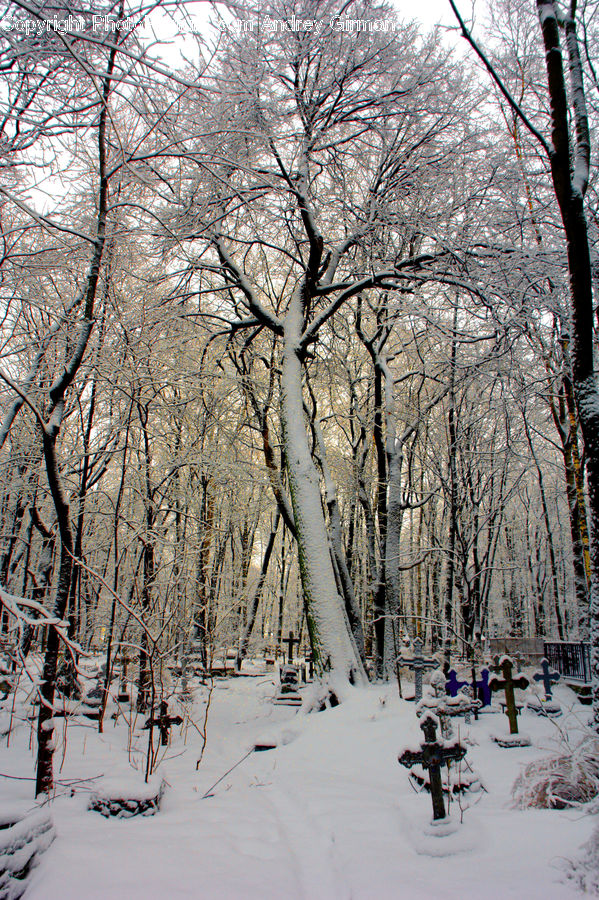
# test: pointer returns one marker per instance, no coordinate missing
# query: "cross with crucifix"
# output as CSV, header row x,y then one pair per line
x,y
432,755
418,664
507,684
164,722
547,677
290,641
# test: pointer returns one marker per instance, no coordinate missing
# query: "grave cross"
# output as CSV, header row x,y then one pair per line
x,y
432,755
453,685
164,722
508,683
290,641
547,677
418,664
481,688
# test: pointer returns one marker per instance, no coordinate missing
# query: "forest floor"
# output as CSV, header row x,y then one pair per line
x,y
328,814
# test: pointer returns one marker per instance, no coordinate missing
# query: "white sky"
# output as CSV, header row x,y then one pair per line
x,y
429,12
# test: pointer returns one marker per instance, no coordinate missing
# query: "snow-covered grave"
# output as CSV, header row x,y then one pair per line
x,y
326,814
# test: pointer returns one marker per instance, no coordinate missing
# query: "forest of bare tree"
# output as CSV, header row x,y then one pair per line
x,y
297,331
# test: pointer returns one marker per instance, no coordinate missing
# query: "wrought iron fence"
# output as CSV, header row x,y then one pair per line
x,y
572,659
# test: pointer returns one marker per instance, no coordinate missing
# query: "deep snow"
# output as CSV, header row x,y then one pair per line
x,y
326,815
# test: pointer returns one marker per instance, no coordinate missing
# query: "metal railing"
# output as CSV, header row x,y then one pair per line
x,y
572,659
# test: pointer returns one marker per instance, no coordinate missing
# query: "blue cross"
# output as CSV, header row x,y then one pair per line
x,y
453,685
547,677
481,688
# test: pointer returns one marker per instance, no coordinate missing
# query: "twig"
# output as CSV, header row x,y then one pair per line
x,y
228,772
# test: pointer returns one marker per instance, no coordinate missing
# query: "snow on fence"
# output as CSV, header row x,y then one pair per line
x,y
572,659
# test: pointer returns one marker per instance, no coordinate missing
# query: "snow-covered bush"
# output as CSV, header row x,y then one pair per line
x,y
566,779
584,872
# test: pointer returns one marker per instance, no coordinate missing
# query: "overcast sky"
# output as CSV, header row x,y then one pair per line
x,y
432,12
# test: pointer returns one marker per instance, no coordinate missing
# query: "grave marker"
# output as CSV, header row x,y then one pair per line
x,y
164,722
507,684
290,641
481,688
453,684
288,693
418,664
547,677
432,755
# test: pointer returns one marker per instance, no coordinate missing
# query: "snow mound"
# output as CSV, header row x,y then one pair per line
x,y
119,799
21,844
444,837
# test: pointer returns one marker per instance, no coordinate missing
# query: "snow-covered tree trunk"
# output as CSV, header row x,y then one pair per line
x,y
333,644
394,622
570,181
254,602
351,604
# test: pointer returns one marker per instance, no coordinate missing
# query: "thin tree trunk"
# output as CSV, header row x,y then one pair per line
x,y
254,602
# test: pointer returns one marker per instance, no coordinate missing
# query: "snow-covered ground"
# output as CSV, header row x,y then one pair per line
x,y
326,815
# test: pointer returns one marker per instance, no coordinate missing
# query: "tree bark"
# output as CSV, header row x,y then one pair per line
x,y
333,645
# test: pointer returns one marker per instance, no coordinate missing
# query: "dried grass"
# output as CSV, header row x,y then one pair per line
x,y
561,781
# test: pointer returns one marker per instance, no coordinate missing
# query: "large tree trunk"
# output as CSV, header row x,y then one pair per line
x,y
332,642
570,183
339,559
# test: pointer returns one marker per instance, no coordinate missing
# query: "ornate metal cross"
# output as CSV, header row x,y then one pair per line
x,y
418,664
508,683
547,677
432,755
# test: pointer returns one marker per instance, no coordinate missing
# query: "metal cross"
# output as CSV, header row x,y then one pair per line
x,y
453,685
547,677
432,755
164,722
481,688
508,683
290,641
418,664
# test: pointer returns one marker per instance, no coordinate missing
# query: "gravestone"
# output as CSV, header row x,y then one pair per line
x,y
432,755
446,707
418,664
288,693
547,677
309,656
92,701
164,722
